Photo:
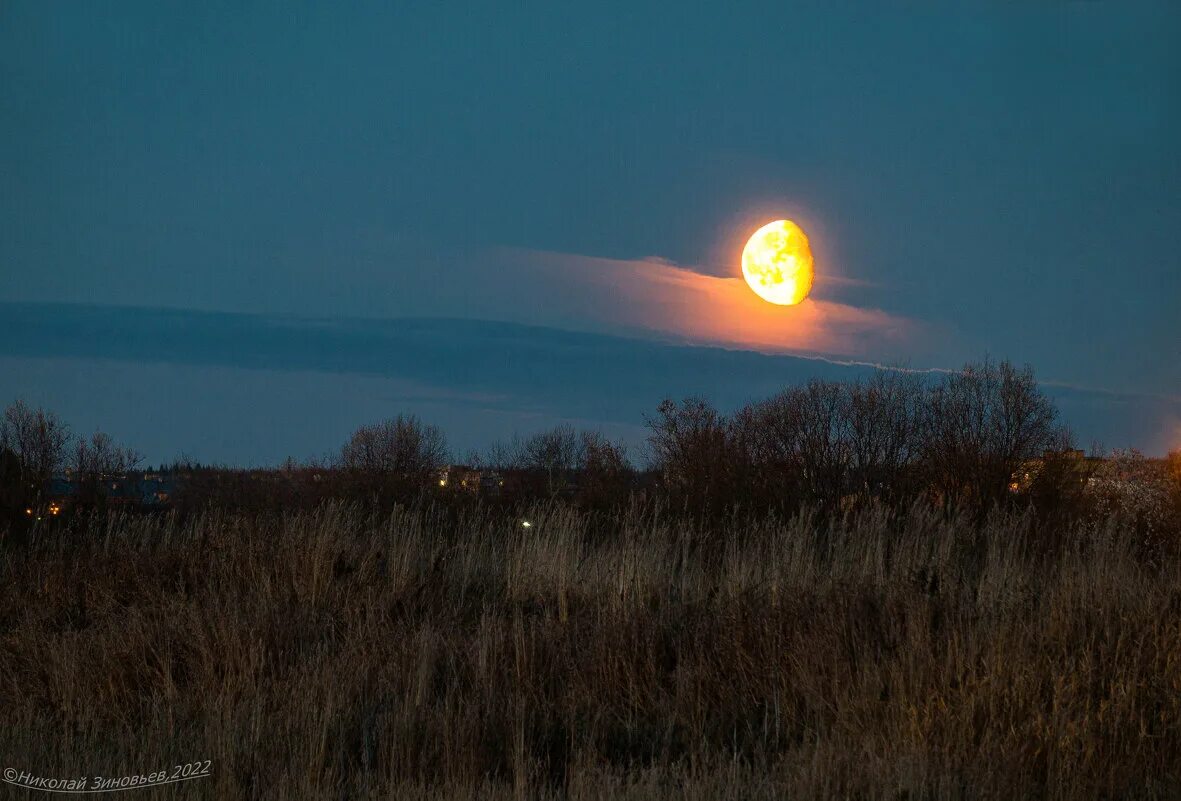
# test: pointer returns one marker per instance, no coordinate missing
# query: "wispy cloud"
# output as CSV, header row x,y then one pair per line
x,y
659,298
154,374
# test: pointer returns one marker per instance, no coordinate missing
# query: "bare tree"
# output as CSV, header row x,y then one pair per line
x,y
97,458
980,425
101,455
500,455
562,460
884,424
601,455
824,440
606,472
764,445
550,457
36,438
693,448
403,449
803,432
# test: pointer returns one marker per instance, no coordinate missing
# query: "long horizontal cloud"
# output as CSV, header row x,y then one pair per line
x,y
658,298
168,379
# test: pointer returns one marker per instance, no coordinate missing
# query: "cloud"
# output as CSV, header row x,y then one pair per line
x,y
654,297
254,388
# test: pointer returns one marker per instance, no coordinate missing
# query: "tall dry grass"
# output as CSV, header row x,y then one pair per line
x,y
428,655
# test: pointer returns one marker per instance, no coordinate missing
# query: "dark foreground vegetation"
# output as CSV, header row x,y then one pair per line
x,y
421,653
880,590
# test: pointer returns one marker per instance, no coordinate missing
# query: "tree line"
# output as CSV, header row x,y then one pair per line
x,y
893,436
35,444
958,438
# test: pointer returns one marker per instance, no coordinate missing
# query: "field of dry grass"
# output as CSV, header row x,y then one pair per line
x,y
431,654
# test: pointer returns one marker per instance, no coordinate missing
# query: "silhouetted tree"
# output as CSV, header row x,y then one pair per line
x,y
97,457
402,453
35,441
980,425
606,474
824,443
549,459
694,451
801,438
884,430
101,455
767,471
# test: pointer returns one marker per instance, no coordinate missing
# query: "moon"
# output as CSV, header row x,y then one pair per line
x,y
777,263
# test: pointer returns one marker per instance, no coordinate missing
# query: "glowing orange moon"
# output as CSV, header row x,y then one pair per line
x,y
777,263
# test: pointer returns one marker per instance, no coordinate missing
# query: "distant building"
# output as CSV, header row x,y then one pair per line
x,y
137,490
463,478
1073,460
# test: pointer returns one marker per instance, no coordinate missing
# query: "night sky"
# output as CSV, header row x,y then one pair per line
x,y
239,233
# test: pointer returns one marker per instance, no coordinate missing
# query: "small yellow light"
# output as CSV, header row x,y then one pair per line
x,y
442,482
526,524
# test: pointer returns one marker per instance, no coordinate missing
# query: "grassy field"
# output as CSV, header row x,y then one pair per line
x,y
435,654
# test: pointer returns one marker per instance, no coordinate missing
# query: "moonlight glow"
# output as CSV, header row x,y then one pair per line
x,y
777,263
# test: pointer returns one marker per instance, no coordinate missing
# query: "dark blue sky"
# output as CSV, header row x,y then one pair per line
x,y
999,177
